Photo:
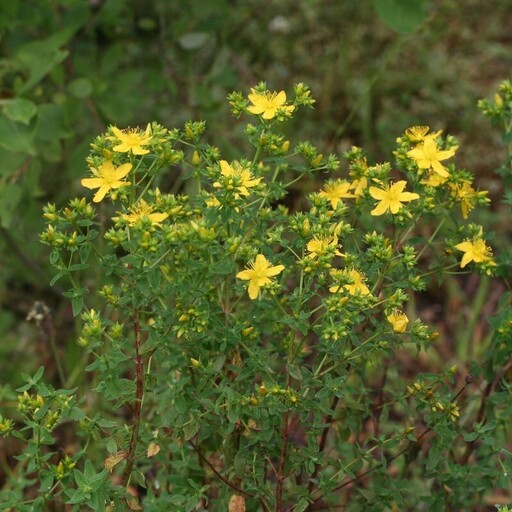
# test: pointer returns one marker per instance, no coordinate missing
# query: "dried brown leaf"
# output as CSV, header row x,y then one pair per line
x,y
113,460
236,503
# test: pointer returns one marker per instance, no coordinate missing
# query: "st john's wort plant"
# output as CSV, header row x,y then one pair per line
x,y
243,356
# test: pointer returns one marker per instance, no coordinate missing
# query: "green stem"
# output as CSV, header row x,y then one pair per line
x,y
431,239
464,345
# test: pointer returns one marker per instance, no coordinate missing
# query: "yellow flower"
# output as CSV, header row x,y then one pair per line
x,y
131,140
107,178
357,281
418,133
359,186
320,245
143,210
434,180
398,321
258,274
212,202
337,190
236,177
428,156
268,103
475,250
391,197
466,194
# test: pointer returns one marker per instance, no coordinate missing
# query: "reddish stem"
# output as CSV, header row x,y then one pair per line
x,y
137,408
281,475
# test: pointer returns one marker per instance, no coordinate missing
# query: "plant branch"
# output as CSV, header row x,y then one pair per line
x,y
139,395
470,445
364,474
327,422
217,474
282,463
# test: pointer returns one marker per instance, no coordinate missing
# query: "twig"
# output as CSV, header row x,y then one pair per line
x,y
222,478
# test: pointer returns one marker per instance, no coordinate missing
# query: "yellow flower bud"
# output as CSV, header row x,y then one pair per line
x,y
398,321
317,160
196,159
83,342
247,331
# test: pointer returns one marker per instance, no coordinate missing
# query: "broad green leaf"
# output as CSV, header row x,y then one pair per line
x,y
402,16
20,109
80,88
40,57
16,137
52,123
39,62
11,162
10,196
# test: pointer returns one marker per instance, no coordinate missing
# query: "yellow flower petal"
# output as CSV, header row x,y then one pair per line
x,y
258,274
391,198
107,177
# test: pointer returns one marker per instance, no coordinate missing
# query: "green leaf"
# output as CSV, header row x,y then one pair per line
x,y
10,196
57,276
16,137
8,14
11,162
30,381
239,464
190,429
40,57
38,375
402,16
302,505
84,252
80,88
78,266
20,109
294,371
52,123
194,40
40,62
77,303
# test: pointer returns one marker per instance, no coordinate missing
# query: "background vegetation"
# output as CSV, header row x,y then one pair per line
x,y
70,68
